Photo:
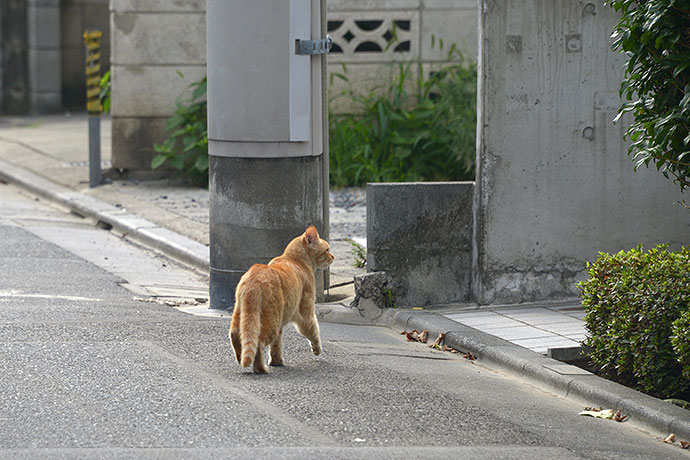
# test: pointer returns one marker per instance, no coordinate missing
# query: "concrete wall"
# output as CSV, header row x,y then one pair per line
x,y
43,55
152,41
421,235
554,183
13,63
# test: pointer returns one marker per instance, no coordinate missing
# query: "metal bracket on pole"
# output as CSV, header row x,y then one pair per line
x,y
314,46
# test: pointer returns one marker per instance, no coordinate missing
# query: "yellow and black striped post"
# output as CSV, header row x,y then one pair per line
x,y
92,40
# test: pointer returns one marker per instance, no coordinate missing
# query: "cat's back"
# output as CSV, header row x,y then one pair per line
x,y
278,275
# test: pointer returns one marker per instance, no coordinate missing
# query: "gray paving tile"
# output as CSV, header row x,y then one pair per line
x,y
546,342
578,337
519,332
565,329
495,321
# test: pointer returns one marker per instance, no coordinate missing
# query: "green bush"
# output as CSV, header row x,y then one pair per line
x,y
186,150
396,136
655,37
632,300
681,341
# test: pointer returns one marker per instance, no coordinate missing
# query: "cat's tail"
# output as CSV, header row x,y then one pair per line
x,y
250,325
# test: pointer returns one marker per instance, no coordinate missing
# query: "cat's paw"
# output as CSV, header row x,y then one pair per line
x,y
276,362
316,349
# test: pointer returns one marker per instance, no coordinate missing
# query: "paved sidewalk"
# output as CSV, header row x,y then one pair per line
x,y
55,147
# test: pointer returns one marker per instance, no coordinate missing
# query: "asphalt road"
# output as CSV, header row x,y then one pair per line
x,y
89,369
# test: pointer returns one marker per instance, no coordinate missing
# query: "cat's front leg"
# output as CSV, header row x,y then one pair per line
x,y
277,351
310,329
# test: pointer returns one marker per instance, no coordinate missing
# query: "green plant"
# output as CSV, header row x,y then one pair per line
x,y
681,341
359,253
187,147
424,135
104,95
655,36
631,301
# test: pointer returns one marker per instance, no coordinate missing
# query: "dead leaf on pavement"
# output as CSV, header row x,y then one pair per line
x,y
684,444
416,336
450,349
439,340
424,336
670,439
619,417
469,356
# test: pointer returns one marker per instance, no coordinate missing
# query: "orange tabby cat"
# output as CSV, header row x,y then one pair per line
x,y
270,296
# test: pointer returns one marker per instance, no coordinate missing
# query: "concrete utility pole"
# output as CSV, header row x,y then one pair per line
x,y
268,171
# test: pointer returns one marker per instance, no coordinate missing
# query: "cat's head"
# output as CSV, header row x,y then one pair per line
x,y
319,250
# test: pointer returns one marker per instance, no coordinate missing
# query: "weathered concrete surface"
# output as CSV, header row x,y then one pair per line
x,y
257,206
153,43
554,183
421,235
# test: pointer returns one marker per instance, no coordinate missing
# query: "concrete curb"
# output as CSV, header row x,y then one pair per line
x,y
171,244
565,380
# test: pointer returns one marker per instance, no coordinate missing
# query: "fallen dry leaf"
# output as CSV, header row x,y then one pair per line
x,y
424,336
416,336
619,417
684,444
469,356
450,349
670,439
439,340
594,408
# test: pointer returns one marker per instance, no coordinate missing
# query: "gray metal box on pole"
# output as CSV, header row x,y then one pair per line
x,y
267,176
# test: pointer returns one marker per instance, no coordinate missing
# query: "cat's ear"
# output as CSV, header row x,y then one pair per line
x,y
311,235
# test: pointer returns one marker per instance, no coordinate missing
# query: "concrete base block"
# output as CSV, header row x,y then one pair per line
x,y
421,235
257,207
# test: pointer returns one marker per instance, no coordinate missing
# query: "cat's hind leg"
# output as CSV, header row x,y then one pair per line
x,y
309,328
234,334
259,365
277,350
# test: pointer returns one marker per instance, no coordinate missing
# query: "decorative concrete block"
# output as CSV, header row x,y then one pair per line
x,y
449,26
363,5
420,234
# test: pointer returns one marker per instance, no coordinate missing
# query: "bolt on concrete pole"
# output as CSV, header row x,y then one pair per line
x,y
267,177
92,41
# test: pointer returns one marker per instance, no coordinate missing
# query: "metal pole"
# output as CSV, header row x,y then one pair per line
x,y
325,165
92,40
94,151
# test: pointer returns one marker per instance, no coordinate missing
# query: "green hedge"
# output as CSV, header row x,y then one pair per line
x,y
632,300
681,341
